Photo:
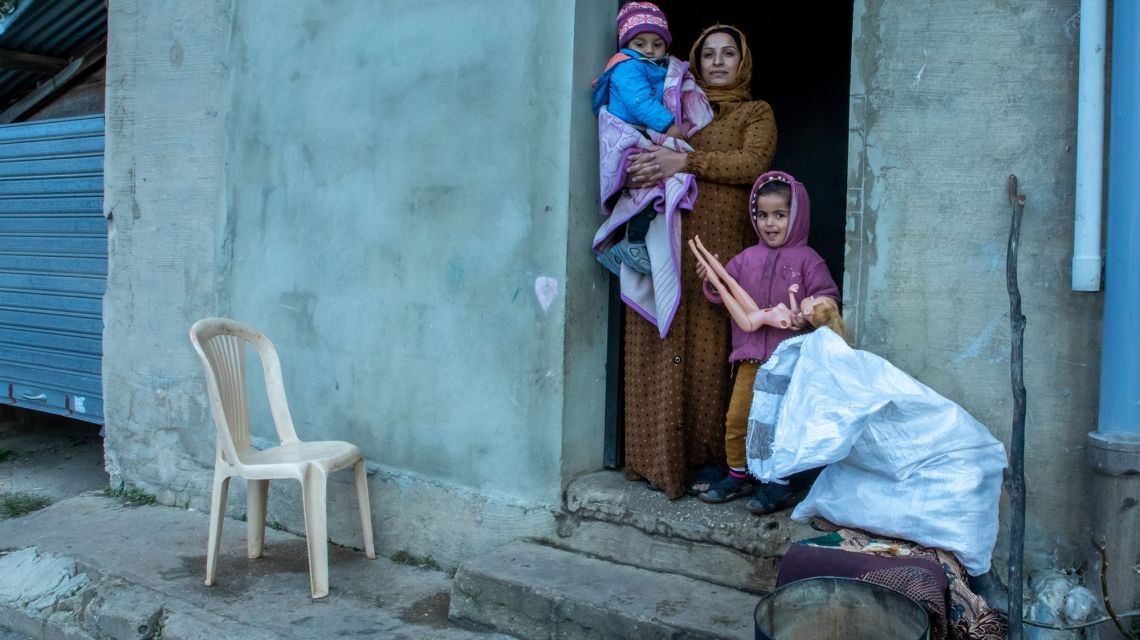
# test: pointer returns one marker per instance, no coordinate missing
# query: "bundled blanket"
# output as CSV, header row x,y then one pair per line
x,y
655,296
902,460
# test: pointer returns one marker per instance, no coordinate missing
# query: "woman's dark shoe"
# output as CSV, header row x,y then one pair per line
x,y
705,477
770,498
728,488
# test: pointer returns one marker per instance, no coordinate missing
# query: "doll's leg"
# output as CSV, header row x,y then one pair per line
x,y
740,305
739,315
738,293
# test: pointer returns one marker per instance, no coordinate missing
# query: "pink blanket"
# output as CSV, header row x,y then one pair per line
x,y
655,296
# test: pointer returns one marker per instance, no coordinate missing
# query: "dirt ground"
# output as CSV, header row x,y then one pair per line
x,y
45,458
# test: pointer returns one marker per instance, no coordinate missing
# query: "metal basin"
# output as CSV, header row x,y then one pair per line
x,y
828,608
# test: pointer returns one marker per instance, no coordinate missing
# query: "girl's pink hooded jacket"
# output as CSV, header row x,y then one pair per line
x,y
766,273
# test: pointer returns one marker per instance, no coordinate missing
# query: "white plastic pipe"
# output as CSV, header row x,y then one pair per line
x,y
1090,148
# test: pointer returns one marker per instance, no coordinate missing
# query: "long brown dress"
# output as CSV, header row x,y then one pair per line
x,y
676,389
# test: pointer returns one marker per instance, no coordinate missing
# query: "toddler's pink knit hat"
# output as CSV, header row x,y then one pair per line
x,y
640,17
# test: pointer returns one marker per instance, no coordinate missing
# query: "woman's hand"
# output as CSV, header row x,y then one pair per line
x,y
653,166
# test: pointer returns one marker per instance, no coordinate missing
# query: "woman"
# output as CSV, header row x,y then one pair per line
x,y
676,389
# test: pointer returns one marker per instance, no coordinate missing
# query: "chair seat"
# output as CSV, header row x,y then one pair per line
x,y
330,454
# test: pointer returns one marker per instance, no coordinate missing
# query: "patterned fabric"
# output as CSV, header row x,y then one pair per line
x,y
919,579
676,388
641,17
967,616
657,295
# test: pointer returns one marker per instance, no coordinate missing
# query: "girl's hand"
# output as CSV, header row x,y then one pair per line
x,y
803,317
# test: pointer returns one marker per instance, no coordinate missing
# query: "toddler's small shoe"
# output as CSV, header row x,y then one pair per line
x,y
635,255
610,260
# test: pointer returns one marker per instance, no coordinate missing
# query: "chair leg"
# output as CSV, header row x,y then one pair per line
x,y
217,515
316,529
365,509
257,495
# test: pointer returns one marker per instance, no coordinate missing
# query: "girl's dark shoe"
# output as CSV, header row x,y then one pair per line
x,y
770,498
728,488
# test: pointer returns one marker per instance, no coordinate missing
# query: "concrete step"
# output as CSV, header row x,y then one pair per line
x,y
533,591
609,517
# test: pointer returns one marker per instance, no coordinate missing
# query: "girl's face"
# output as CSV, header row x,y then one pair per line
x,y
720,60
772,211
649,45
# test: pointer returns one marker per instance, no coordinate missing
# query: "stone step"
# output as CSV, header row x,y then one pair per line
x,y
533,591
609,517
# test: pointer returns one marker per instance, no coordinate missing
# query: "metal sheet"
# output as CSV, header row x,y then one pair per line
x,y
53,266
55,28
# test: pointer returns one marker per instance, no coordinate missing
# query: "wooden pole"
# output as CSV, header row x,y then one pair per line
x,y
1017,436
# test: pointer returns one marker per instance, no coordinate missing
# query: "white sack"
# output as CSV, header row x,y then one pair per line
x,y
903,461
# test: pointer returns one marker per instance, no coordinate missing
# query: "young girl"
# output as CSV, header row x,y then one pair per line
x,y
632,88
755,284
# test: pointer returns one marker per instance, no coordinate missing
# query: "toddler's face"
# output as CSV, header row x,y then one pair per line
x,y
649,45
772,211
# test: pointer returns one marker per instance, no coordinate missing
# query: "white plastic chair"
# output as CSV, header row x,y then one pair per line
x,y
221,345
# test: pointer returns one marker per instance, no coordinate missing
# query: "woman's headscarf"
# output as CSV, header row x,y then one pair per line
x,y
741,89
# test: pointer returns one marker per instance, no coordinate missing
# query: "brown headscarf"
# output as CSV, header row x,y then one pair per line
x,y
738,91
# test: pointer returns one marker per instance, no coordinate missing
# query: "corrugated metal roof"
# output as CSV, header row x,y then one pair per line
x,y
59,29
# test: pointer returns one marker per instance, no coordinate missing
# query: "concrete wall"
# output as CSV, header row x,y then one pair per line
x,y
389,191
948,99
380,187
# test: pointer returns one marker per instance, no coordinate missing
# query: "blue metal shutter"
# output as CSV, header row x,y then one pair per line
x,y
53,266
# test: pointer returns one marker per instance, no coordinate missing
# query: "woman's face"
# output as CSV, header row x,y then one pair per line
x,y
720,60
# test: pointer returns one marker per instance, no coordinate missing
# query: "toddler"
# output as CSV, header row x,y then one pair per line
x,y
631,88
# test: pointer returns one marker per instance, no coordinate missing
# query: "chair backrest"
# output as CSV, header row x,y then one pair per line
x,y
221,345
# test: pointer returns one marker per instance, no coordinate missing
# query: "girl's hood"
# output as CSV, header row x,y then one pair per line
x,y
799,217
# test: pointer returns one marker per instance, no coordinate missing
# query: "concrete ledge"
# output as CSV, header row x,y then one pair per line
x,y
411,513
533,591
614,519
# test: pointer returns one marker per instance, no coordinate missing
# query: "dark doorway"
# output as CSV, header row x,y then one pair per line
x,y
801,66
801,59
